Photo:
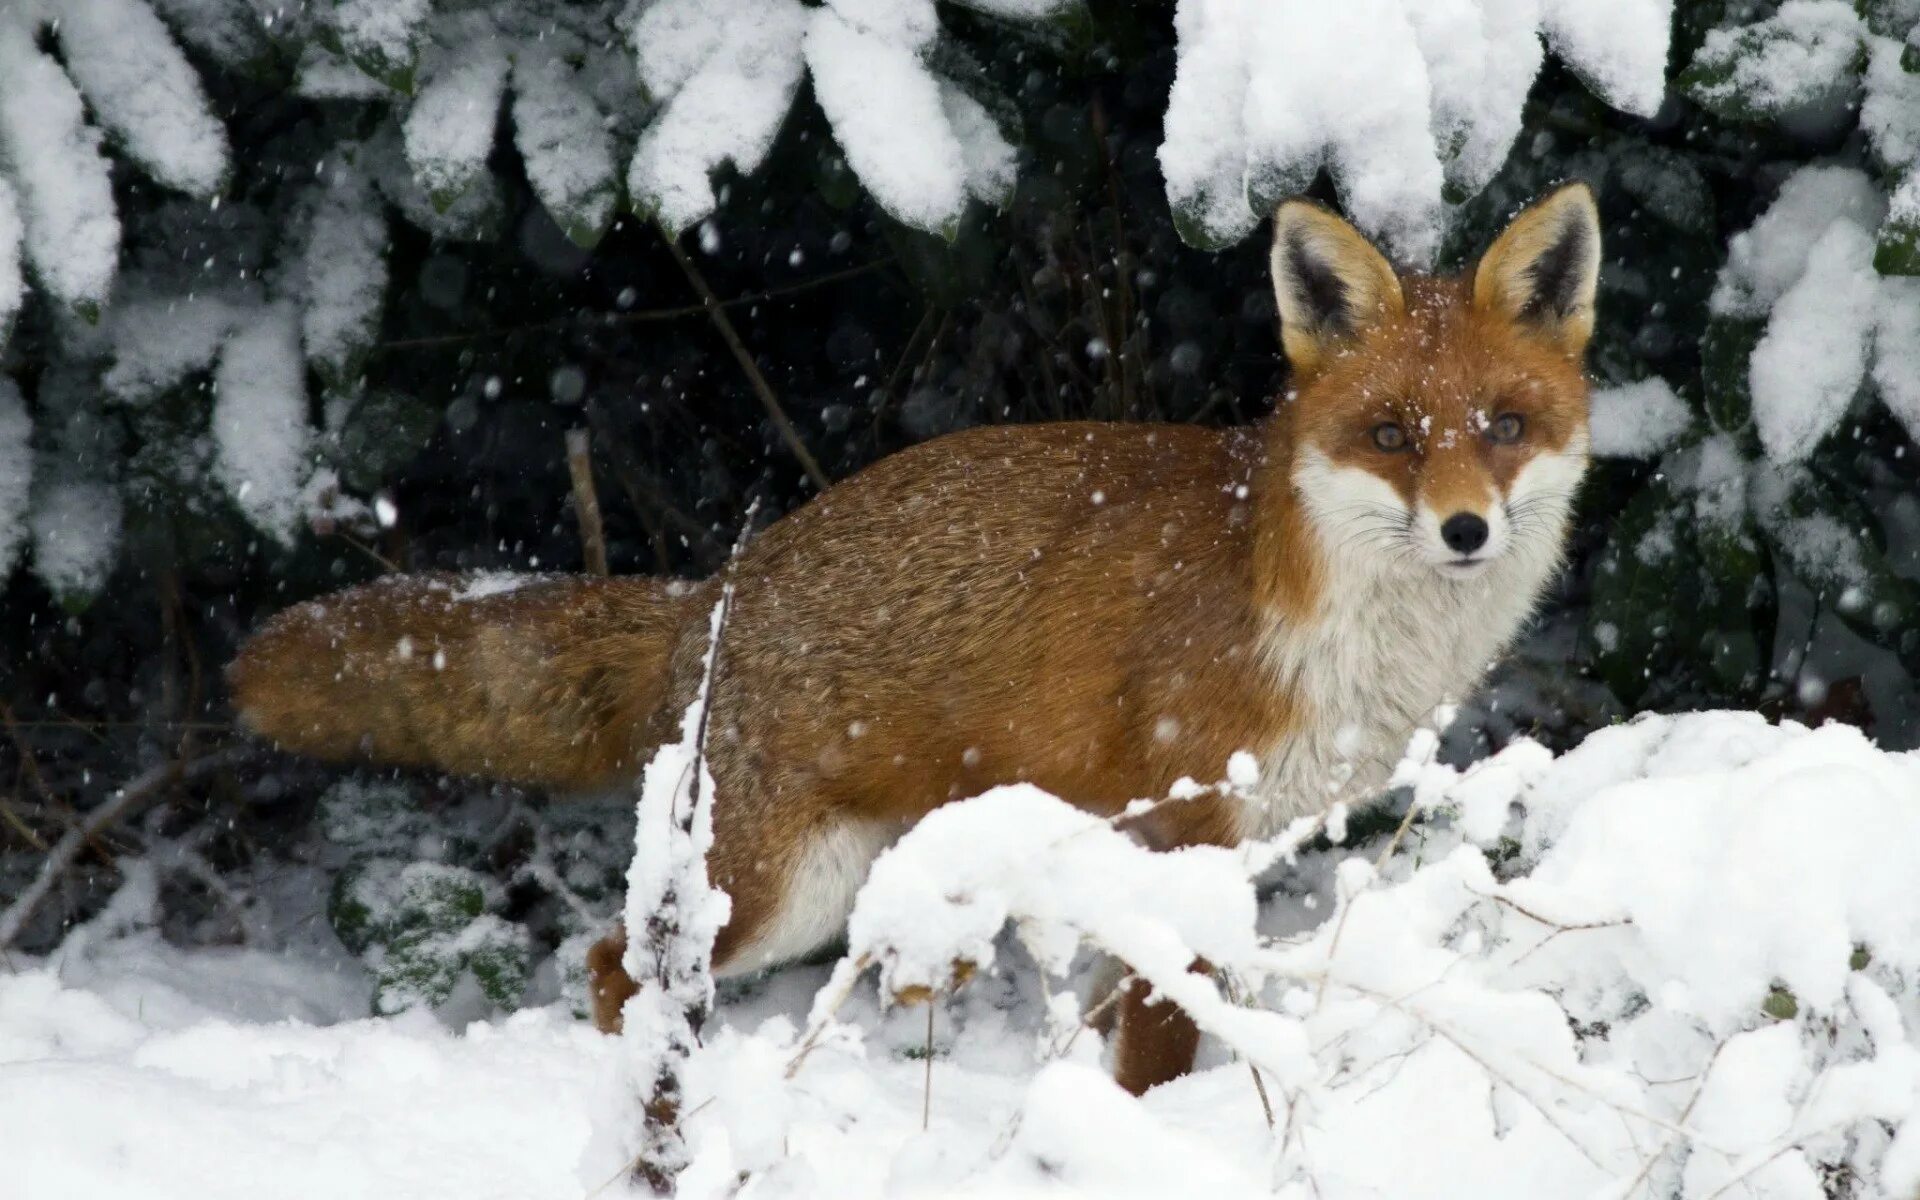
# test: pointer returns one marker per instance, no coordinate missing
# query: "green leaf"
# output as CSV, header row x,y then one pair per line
x,y
1780,1005
1896,251
1674,598
1725,349
1816,531
1637,584
382,434
1889,18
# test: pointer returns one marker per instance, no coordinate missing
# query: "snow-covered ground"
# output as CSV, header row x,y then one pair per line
x,y
1680,960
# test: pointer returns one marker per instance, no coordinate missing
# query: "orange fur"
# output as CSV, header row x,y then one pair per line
x,y
1089,607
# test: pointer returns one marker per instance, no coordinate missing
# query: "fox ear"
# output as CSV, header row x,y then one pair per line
x,y
1329,282
1542,270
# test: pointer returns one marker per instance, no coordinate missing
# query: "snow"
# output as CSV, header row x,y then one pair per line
x,y
481,584
1391,95
158,340
1618,48
1765,259
1586,1017
1806,266
384,32
1808,365
888,117
673,914
1794,58
987,157
449,130
143,89
1637,420
1896,351
726,72
260,430
13,284
343,269
76,535
16,472
1890,111
73,236
564,140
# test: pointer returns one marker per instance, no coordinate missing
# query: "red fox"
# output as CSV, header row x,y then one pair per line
x,y
1099,609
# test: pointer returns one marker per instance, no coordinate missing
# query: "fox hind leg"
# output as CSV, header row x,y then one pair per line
x,y
781,910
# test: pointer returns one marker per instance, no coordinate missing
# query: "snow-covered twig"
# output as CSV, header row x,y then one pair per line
x,y
674,913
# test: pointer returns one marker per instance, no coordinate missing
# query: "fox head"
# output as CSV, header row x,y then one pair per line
x,y
1438,425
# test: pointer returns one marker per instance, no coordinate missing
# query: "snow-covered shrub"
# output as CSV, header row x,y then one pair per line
x,y
1576,970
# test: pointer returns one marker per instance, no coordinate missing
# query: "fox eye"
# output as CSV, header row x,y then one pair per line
x,y
1507,428
1389,437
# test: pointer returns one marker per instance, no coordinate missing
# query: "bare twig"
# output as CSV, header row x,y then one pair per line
x,y
926,1092
20,826
723,323
586,501
142,789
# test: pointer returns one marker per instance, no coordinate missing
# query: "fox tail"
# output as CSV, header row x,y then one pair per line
x,y
557,681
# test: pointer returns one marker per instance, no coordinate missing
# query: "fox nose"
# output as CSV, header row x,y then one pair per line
x,y
1464,532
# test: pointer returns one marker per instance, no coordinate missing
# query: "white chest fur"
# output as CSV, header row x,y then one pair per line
x,y
1389,648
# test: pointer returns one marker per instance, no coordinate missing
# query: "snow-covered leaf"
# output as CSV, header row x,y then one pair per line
x,y
1896,351
1890,111
343,270
381,37
1808,366
1637,420
888,115
563,138
449,129
1806,53
725,72
1765,259
144,91
1897,249
1482,56
73,234
158,339
475,215
1618,48
260,431
76,536
13,282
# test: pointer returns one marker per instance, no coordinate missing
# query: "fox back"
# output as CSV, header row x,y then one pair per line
x,y
1098,609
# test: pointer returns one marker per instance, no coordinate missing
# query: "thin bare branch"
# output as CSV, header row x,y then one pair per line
x,y
761,388
144,788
